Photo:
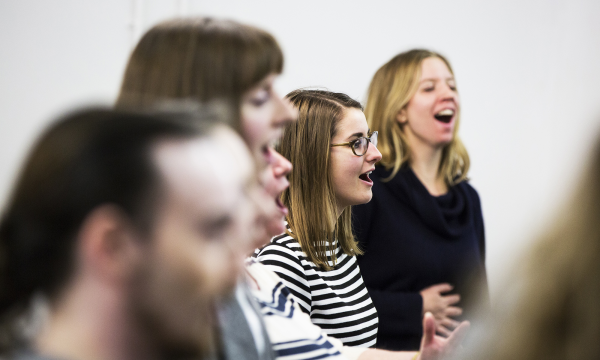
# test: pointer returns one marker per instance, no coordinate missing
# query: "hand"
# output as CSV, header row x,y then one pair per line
x,y
434,347
441,307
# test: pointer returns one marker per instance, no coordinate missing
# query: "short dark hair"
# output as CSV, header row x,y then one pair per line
x,y
86,159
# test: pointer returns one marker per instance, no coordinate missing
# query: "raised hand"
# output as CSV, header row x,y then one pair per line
x,y
441,306
434,347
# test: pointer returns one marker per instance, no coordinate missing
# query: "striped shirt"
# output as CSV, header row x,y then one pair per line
x,y
291,332
336,300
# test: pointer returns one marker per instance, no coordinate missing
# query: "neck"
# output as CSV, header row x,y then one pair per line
x,y
339,211
90,322
425,163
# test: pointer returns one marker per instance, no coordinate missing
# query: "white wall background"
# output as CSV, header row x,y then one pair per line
x,y
528,72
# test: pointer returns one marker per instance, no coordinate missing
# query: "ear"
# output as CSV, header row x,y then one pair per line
x,y
108,247
401,116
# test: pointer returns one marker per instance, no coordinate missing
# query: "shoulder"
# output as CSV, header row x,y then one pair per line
x,y
284,256
469,190
282,245
262,274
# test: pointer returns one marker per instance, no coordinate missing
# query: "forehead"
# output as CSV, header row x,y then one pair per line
x,y
208,171
353,121
434,68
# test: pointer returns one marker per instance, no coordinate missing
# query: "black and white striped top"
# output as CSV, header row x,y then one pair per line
x,y
336,300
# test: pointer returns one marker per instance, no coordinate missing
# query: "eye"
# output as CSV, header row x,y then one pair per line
x,y
429,89
357,144
260,98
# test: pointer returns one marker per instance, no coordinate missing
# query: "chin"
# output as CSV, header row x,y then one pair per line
x,y
363,200
275,227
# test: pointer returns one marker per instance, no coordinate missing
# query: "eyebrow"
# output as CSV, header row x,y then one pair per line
x,y
436,79
358,134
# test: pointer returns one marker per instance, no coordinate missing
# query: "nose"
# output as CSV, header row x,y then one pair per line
x,y
373,155
448,94
281,166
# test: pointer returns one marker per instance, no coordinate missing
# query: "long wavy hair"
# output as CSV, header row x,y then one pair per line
x,y
392,87
310,197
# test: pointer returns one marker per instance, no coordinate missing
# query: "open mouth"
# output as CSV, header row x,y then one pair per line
x,y
281,207
445,115
365,177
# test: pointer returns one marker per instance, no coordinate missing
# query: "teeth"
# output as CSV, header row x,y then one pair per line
x,y
446,112
369,173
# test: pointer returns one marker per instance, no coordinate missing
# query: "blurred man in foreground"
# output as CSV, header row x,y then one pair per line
x,y
121,229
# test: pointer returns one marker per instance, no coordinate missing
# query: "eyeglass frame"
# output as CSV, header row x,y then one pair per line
x,y
351,143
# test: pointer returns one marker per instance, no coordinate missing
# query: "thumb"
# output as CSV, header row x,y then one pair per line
x,y
428,329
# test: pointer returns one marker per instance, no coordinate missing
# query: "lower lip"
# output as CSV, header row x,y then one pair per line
x,y
369,183
284,211
445,123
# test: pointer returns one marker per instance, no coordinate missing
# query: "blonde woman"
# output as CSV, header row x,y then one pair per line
x,y
422,234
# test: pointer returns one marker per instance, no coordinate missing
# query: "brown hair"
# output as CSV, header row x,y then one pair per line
x,y
392,87
310,197
200,59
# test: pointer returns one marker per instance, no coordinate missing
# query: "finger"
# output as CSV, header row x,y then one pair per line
x,y
449,323
428,329
442,330
451,299
453,311
457,336
442,288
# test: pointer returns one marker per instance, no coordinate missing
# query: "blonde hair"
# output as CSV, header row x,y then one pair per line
x,y
200,59
392,87
310,197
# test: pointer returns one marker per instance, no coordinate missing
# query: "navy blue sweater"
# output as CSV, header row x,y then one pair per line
x,y
413,240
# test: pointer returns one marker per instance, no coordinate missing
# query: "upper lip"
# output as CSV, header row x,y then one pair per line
x,y
373,169
445,108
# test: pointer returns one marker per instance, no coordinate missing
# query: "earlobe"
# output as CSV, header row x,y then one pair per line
x,y
106,244
401,117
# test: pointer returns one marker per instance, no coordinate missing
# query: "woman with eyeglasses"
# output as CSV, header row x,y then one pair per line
x,y
422,234
334,153
332,150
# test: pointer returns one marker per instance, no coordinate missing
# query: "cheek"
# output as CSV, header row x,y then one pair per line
x,y
344,171
219,268
269,182
201,265
252,133
419,108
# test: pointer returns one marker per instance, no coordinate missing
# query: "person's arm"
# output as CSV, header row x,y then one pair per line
x,y
433,347
403,311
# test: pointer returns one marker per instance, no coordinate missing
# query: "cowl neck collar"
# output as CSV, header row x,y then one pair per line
x,y
448,215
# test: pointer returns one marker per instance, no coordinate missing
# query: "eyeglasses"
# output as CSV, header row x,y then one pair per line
x,y
361,145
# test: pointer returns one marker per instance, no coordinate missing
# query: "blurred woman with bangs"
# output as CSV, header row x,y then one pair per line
x,y
207,59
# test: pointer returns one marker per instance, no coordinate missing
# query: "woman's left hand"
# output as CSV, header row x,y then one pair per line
x,y
434,347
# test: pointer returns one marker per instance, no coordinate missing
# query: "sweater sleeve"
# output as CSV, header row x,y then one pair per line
x,y
286,263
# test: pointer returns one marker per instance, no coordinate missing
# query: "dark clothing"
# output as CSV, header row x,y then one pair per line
x,y
236,336
413,240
